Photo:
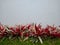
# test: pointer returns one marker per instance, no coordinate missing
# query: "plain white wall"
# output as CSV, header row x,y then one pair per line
x,y
28,11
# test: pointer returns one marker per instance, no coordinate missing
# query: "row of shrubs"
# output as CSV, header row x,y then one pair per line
x,y
29,30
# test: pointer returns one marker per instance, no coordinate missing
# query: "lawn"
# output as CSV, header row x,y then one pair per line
x,y
18,41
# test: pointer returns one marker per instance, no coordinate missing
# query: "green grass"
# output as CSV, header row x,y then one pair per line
x,y
17,41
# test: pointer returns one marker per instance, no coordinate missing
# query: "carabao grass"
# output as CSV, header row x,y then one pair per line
x,y
18,41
